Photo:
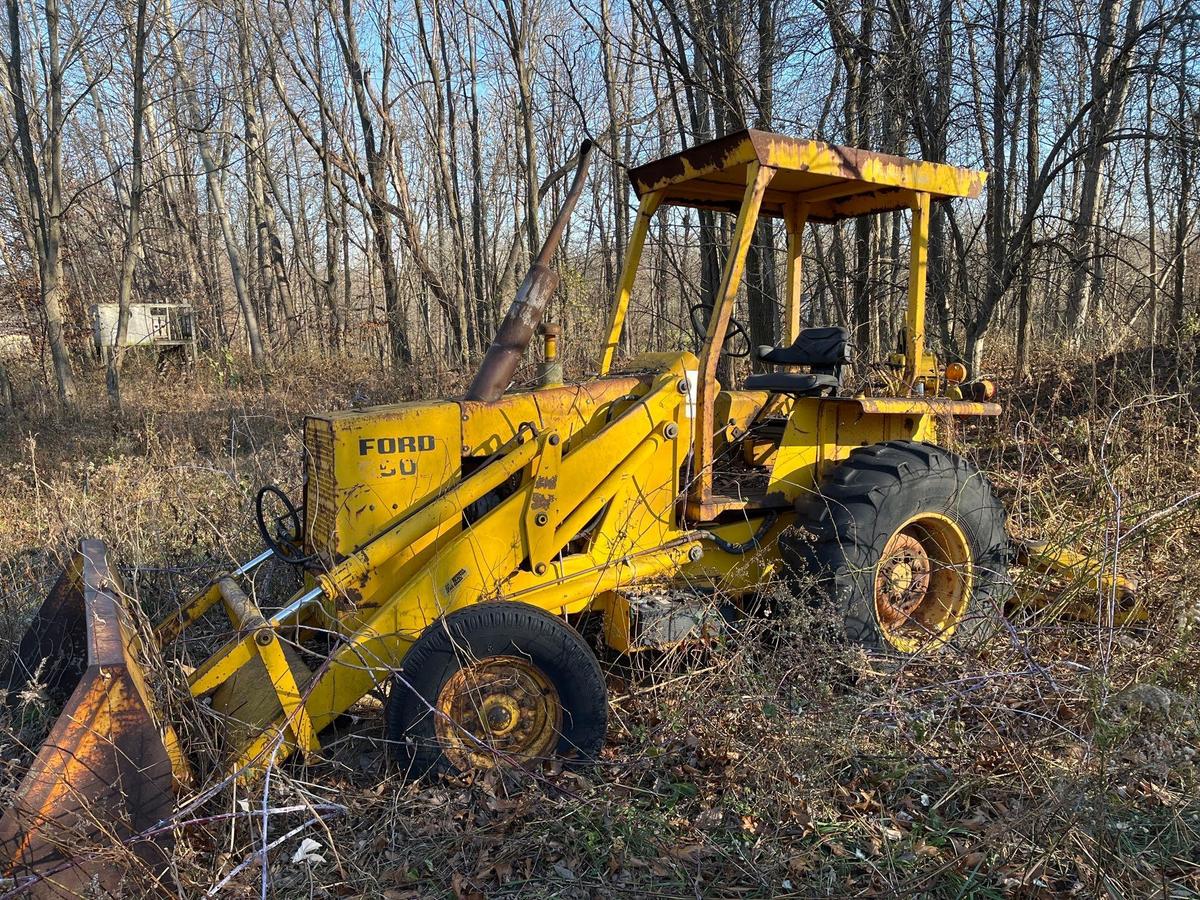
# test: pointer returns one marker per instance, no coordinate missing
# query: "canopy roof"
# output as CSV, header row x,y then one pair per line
x,y
835,182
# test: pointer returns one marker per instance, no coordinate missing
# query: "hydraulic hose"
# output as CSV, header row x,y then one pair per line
x,y
754,542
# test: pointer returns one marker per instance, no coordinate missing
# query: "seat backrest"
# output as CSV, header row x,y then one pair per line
x,y
822,348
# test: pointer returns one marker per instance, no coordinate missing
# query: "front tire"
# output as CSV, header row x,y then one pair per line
x,y
907,542
498,684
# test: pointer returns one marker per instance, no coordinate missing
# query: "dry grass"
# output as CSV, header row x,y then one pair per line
x,y
777,763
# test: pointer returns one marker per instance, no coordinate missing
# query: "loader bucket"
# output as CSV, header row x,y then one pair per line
x,y
85,814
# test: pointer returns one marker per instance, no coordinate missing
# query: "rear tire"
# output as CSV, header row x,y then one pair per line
x,y
498,684
907,542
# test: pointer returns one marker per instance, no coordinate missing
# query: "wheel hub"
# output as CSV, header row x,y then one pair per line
x,y
923,582
903,578
500,714
498,711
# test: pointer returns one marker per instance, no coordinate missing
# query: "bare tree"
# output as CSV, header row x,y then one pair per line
x,y
43,177
375,184
133,226
1110,82
216,189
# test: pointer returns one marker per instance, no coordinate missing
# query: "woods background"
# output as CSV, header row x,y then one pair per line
x,y
367,179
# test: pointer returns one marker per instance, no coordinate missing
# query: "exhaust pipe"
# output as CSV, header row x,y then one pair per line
x,y
520,323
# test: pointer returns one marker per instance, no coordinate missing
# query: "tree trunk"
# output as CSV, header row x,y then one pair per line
x,y
853,50
1152,224
519,23
1109,91
216,193
762,292
1187,167
376,188
485,308
265,236
1033,61
133,228
7,403
47,204
442,100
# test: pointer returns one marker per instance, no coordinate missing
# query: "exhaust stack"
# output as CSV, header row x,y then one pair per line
x,y
523,317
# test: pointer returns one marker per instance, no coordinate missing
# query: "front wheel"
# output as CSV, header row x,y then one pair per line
x,y
499,684
908,543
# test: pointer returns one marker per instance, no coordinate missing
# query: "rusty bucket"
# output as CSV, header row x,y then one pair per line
x,y
91,814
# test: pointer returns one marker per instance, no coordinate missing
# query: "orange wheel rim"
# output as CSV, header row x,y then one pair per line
x,y
923,582
501,711
902,578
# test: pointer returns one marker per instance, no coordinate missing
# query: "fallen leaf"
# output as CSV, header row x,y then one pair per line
x,y
688,853
970,860
307,853
463,889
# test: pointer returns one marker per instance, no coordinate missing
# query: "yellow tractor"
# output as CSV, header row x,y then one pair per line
x,y
446,543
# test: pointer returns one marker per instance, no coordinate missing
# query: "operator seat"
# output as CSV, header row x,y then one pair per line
x,y
824,350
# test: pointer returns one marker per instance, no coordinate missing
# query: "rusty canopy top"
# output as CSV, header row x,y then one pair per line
x,y
834,182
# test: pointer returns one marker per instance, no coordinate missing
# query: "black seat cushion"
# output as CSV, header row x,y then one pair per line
x,y
823,347
796,384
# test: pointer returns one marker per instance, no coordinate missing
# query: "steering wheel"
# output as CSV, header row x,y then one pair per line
x,y
285,545
733,332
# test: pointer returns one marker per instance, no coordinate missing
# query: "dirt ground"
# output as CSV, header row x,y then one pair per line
x,y
1058,760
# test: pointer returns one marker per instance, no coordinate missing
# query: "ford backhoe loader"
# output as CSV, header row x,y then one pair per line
x,y
446,545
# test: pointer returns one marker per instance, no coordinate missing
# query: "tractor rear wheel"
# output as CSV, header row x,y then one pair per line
x,y
907,541
499,684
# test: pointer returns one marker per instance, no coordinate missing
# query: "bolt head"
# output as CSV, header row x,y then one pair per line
x,y
540,569
671,431
696,554
554,440
541,519
683,386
